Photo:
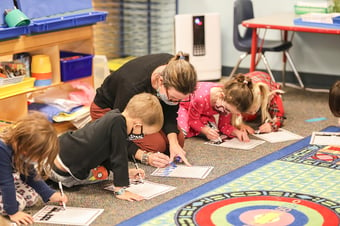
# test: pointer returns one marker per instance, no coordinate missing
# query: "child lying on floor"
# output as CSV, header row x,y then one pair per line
x,y
103,144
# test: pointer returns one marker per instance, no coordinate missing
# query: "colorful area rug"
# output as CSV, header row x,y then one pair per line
x,y
297,185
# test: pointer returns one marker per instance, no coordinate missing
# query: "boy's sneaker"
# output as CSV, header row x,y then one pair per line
x,y
99,173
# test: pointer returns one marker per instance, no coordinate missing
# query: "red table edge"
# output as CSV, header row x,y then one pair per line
x,y
254,26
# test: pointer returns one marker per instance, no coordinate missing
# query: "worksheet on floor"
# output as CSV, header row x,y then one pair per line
x,y
237,144
70,216
278,136
173,170
147,189
325,138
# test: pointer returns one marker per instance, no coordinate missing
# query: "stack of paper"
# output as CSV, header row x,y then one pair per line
x,y
315,4
326,18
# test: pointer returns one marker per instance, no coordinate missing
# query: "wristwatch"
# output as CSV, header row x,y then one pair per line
x,y
119,192
145,158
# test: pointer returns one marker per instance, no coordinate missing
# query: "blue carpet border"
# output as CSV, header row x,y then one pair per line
x,y
204,188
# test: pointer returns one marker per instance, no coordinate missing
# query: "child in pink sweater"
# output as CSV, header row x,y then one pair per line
x,y
198,116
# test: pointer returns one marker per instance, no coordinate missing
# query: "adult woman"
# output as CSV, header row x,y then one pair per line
x,y
172,79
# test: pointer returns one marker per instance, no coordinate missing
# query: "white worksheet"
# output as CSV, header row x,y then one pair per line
x,y
278,136
146,189
69,216
173,170
237,144
325,138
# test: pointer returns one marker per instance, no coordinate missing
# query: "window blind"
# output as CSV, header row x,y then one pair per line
x,y
135,27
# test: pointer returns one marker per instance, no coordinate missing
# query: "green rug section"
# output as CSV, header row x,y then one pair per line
x,y
275,176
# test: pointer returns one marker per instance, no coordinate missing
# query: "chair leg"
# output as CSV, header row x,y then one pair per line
x,y
244,55
284,63
294,69
265,61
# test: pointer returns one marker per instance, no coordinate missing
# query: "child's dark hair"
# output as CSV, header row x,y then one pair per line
x,y
334,99
238,92
33,139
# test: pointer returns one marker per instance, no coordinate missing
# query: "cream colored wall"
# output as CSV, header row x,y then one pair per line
x,y
312,53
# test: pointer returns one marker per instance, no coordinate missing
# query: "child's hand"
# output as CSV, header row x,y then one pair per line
x,y
57,197
129,196
241,135
210,133
158,160
137,174
247,128
265,128
21,218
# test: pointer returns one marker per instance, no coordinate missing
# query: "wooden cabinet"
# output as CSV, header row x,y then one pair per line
x,y
14,104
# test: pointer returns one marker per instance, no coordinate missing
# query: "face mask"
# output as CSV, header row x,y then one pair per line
x,y
165,99
133,136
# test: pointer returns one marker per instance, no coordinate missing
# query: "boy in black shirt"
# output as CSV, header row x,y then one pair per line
x,y
105,142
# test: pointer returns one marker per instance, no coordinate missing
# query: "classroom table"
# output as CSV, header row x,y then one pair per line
x,y
280,21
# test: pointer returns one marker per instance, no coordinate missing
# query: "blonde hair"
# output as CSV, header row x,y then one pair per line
x,y
262,96
180,74
33,139
146,107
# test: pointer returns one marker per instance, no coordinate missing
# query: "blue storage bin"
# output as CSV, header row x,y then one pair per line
x,y
336,20
70,21
5,31
75,68
12,32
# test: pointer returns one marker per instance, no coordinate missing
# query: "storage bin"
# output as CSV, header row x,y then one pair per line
x,y
12,32
75,65
336,20
16,88
308,9
64,22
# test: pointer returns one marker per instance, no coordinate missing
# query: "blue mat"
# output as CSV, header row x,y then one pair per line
x,y
272,179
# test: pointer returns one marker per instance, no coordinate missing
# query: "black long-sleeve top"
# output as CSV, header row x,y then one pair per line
x,y
101,141
132,78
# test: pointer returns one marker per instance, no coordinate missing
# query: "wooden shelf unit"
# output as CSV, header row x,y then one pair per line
x,y
80,39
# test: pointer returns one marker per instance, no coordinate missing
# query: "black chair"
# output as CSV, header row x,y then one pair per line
x,y
243,10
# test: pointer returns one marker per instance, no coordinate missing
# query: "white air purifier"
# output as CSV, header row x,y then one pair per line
x,y
200,36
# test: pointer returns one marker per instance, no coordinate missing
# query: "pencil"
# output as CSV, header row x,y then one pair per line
x,y
213,126
136,165
62,193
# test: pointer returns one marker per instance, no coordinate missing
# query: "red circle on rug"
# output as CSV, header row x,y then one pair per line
x,y
202,217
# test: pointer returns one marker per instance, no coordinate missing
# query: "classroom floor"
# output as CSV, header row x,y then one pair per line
x,y
299,105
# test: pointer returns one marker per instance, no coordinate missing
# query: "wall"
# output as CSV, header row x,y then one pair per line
x,y
312,53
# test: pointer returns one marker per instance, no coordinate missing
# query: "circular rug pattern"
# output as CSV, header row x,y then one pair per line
x,y
260,208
